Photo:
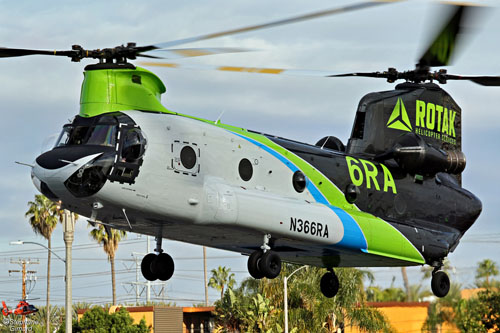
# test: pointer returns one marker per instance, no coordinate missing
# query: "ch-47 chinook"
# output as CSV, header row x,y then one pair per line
x,y
391,197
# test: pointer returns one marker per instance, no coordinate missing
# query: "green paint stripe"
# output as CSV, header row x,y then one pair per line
x,y
382,238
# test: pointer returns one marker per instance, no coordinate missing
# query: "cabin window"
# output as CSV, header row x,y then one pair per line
x,y
245,169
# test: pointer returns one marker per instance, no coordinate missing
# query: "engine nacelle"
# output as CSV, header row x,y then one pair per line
x,y
414,155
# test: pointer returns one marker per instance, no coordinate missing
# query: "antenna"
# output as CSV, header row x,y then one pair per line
x,y
324,143
220,116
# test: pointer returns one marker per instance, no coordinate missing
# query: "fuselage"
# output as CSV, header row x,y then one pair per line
x,y
207,183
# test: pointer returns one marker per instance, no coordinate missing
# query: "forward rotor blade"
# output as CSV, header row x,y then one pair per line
x,y
491,81
290,20
444,44
194,52
241,69
9,52
391,75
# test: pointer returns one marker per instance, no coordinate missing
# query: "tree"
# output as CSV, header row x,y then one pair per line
x,y
97,320
43,216
485,270
109,239
406,284
479,314
308,310
390,294
221,277
259,316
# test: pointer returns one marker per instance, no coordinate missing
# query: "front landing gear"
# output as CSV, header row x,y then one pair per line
x,y
329,284
157,267
440,283
264,262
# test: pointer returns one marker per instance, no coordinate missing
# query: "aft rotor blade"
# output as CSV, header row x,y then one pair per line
x,y
492,81
295,19
369,74
446,40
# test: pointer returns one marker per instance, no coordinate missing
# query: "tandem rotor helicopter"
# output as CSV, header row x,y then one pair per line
x,y
391,196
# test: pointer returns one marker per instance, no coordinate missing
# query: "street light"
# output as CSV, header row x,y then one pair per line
x,y
20,242
286,295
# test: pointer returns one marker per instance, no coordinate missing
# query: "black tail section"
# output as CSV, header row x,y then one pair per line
x,y
386,120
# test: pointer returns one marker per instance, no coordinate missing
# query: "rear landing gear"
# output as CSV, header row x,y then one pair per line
x,y
440,283
157,267
329,284
264,262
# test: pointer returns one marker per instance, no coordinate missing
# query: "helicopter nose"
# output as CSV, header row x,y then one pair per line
x,y
60,157
50,181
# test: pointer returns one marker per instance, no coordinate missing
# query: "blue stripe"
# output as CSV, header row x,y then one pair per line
x,y
353,236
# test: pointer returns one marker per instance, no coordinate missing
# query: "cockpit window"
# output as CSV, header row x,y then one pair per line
x,y
64,136
98,135
102,135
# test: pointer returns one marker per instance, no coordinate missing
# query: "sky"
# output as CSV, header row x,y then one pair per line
x,y
39,94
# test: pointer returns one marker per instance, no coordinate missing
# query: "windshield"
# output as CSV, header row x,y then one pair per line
x,y
98,135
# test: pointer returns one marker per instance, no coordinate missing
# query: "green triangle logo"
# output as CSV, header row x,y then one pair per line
x,y
399,118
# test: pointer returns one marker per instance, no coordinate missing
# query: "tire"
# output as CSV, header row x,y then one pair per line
x,y
270,264
440,284
329,284
253,264
163,266
146,267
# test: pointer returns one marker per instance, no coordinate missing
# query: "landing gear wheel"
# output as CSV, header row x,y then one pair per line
x,y
253,264
270,264
163,266
146,267
329,284
440,284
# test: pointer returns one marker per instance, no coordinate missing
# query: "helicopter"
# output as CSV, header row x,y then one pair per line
x,y
23,308
268,197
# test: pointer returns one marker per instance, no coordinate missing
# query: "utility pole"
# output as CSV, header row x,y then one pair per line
x,y
68,236
205,274
23,263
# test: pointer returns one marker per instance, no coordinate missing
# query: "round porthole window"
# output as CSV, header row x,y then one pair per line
x,y
188,157
351,193
245,169
299,181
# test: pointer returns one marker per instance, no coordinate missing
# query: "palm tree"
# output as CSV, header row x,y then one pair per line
x,y
43,216
221,277
309,309
485,269
261,301
109,239
406,284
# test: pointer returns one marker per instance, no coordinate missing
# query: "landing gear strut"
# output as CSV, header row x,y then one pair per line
x,y
440,282
157,266
329,284
264,262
